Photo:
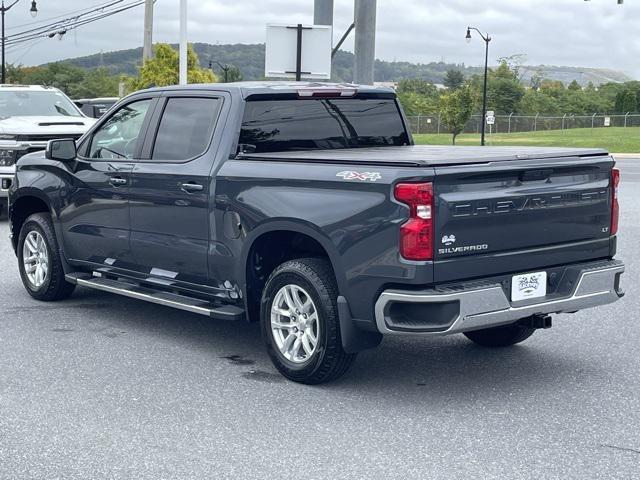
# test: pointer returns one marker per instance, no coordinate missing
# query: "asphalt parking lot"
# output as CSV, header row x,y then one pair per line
x,y
101,386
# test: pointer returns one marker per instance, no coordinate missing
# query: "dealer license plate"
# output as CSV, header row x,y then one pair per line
x,y
528,285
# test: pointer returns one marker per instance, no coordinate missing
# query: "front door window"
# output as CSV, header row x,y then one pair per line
x,y
117,138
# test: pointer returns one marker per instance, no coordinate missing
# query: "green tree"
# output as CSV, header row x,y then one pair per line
x,y
59,74
504,90
416,104
418,97
455,110
97,82
536,79
629,102
574,86
453,79
163,69
514,64
417,85
74,81
234,74
553,88
535,102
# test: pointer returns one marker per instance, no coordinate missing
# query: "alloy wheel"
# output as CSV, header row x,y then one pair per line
x,y
35,259
294,323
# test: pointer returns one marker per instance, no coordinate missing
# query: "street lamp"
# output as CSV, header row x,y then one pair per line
x,y
224,68
486,39
3,10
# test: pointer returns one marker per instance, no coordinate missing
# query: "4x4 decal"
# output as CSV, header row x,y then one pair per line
x,y
362,176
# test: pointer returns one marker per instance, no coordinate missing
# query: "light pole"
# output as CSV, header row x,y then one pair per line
x,y
3,10
486,39
224,68
182,66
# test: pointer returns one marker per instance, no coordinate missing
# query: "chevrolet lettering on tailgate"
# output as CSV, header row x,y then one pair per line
x,y
519,204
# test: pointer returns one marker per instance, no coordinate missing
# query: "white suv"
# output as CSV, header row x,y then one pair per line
x,y
30,116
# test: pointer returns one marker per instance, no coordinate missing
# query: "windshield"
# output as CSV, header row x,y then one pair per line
x,y
280,125
30,103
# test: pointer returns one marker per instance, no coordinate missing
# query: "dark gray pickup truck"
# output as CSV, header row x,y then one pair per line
x,y
306,207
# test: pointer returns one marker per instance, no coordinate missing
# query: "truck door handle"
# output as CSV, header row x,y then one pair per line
x,y
117,181
191,187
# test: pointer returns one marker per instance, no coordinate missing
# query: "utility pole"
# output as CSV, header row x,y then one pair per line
x,y
365,41
323,12
183,42
147,49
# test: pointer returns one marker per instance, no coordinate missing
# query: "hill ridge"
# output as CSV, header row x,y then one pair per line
x,y
249,58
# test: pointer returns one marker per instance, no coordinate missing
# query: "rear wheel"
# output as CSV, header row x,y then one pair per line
x,y
39,260
504,336
300,322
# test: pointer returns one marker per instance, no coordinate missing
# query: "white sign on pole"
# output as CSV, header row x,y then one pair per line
x,y
282,51
607,121
491,118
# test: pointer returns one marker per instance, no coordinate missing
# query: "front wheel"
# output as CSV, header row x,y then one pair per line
x,y
300,323
39,260
504,336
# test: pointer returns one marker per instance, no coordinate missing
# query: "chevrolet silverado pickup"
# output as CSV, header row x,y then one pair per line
x,y
307,207
31,115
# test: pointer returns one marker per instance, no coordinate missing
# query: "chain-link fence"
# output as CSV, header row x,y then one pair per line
x,y
527,123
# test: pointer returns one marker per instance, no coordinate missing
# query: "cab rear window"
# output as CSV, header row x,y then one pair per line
x,y
321,123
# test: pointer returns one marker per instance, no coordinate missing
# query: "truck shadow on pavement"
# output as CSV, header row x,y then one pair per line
x,y
438,368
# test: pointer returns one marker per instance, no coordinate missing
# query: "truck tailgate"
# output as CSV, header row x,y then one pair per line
x,y
519,215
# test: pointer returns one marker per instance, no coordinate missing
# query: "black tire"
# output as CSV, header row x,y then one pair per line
x,y
504,336
329,360
4,208
54,287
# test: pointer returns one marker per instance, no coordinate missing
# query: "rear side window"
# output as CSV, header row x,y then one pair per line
x,y
185,128
311,124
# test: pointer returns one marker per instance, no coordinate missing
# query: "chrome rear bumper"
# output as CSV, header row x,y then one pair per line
x,y
478,305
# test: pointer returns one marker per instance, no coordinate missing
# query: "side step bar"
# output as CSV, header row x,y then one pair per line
x,y
182,302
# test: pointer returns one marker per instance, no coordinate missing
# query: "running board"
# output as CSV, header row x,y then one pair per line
x,y
132,290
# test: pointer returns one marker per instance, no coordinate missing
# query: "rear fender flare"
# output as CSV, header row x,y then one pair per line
x,y
301,227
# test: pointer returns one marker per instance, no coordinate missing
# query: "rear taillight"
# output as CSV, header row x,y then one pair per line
x,y
416,234
615,205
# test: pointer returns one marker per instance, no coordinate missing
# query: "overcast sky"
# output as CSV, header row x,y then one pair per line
x,y
598,33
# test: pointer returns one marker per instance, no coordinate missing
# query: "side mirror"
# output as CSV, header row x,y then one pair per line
x,y
63,150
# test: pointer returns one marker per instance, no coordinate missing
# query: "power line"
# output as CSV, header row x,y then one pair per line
x,y
62,27
44,20
97,13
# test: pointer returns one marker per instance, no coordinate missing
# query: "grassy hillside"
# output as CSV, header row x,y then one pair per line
x,y
249,58
616,140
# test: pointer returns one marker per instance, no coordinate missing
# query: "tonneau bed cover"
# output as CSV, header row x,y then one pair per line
x,y
426,155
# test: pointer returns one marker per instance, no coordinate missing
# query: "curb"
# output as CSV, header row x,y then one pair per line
x,y
626,155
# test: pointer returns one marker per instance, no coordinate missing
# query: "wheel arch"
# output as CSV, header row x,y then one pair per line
x,y
22,204
292,240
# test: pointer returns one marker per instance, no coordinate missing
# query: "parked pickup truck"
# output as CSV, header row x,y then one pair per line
x,y
31,115
307,208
